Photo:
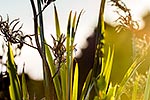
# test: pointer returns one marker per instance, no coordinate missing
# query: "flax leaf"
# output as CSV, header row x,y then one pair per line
x,y
15,89
75,83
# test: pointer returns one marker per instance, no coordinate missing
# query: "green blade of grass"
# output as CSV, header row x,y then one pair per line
x,y
24,87
64,78
71,49
53,71
75,83
73,26
111,92
68,56
63,71
128,74
104,77
71,78
15,89
57,22
147,88
68,41
78,19
108,67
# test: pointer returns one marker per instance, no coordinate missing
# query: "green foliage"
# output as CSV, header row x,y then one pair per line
x,y
15,88
17,91
128,74
53,70
57,22
24,87
103,85
65,86
75,84
60,74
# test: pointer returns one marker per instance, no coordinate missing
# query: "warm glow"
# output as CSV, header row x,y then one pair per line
x,y
22,9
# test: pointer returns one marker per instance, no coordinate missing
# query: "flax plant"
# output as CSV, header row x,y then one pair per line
x,y
59,58
60,61
63,67
61,77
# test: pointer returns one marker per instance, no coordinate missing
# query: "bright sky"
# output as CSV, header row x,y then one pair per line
x,y
22,9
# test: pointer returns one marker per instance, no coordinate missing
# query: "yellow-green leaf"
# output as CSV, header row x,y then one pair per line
x,y
64,80
75,83
111,92
108,66
73,26
15,89
128,74
24,87
101,83
56,22
53,71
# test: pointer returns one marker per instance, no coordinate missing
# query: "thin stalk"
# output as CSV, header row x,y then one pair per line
x,y
45,63
49,92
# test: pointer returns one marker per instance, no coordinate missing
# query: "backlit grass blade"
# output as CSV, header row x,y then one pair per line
x,y
108,66
56,22
53,71
147,88
111,92
73,27
15,89
75,83
86,86
128,74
